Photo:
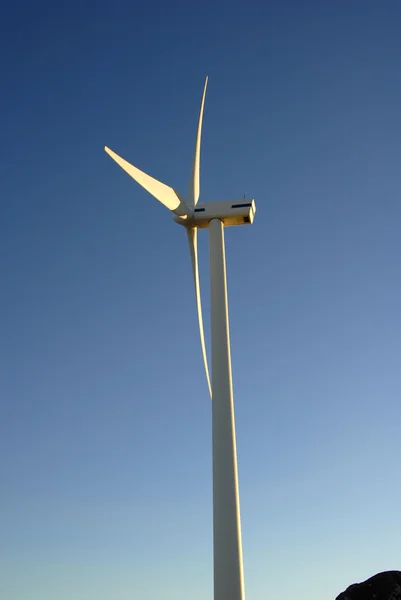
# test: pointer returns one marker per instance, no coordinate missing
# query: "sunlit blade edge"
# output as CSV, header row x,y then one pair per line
x,y
164,193
194,186
193,249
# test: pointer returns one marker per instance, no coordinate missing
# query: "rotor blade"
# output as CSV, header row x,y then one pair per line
x,y
165,194
193,248
194,186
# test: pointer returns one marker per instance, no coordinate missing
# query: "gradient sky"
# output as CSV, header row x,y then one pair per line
x,y
105,428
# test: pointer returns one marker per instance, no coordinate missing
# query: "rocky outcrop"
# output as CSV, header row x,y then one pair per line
x,y
383,586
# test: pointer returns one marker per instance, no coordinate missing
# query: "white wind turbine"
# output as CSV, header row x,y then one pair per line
x,y
227,545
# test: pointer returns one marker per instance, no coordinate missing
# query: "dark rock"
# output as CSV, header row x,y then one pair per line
x,y
383,586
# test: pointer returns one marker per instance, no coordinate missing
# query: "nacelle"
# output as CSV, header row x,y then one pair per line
x,y
240,212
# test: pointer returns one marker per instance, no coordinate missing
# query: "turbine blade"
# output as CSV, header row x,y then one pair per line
x,y
193,249
194,186
165,194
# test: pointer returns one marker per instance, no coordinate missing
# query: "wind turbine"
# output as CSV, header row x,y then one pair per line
x,y
227,545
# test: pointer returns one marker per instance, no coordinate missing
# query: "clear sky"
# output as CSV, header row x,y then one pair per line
x,y
105,427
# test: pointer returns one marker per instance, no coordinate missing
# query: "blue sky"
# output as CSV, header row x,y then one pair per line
x,y
105,429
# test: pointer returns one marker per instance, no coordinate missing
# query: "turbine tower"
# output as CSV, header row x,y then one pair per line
x,y
227,545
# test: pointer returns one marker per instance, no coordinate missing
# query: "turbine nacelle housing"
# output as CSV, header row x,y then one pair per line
x,y
230,212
